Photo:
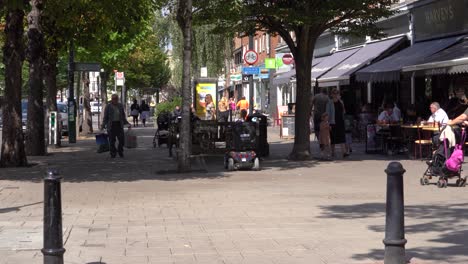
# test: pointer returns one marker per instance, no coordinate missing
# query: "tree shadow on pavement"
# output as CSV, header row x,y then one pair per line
x,y
16,208
449,220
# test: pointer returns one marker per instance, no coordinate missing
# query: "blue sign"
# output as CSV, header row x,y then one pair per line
x,y
251,70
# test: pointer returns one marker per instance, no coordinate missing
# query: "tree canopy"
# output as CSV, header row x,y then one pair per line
x,y
299,23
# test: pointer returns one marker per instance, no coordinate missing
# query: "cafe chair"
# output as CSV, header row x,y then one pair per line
x,y
394,140
422,143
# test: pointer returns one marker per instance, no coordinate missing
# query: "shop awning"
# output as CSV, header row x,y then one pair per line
x,y
331,61
448,61
284,78
389,69
341,74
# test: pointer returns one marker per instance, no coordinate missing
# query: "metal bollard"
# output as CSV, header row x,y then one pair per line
x,y
53,238
395,216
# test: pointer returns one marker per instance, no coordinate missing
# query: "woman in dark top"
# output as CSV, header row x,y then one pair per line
x,y
135,112
338,136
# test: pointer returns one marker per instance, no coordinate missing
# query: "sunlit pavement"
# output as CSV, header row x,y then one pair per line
x,y
128,211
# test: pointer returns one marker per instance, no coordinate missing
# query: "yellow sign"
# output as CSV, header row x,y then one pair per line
x,y
205,94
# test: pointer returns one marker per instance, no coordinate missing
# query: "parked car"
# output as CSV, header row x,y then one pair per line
x,y
96,107
62,110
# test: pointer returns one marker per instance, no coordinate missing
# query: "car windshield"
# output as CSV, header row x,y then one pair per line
x,y
24,107
62,108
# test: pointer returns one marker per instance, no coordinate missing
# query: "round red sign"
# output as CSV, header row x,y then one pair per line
x,y
288,59
251,57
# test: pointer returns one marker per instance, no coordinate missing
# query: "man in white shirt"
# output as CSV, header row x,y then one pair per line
x,y
438,114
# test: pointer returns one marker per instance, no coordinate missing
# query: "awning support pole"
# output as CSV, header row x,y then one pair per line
x,y
413,89
369,92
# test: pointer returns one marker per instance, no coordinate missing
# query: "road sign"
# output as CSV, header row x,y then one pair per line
x,y
288,59
87,66
119,75
251,70
245,78
119,78
251,57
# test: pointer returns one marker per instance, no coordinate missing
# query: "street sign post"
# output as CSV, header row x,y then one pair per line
x,y
53,125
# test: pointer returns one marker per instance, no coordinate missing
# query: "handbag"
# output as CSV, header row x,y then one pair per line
x,y
130,139
134,112
102,141
455,161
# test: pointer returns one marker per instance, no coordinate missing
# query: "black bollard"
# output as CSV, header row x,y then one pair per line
x,y
395,219
53,238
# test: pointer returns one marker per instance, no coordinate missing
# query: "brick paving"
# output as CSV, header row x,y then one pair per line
x,y
126,211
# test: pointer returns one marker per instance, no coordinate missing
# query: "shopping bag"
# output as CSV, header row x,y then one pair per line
x,y
130,139
102,141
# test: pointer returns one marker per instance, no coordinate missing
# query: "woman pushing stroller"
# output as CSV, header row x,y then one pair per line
x,y
448,158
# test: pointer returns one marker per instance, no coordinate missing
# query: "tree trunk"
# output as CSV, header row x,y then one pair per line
x,y
184,18
35,134
87,115
50,77
303,60
13,153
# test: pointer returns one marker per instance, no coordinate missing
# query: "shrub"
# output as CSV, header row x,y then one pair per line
x,y
168,106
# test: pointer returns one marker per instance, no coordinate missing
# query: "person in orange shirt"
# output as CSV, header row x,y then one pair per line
x,y
243,104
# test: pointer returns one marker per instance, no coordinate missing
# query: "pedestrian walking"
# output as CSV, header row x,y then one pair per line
x,y
232,104
325,151
243,104
336,112
115,120
319,106
135,112
144,112
223,108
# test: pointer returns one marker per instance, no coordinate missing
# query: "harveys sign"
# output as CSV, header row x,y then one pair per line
x,y
288,59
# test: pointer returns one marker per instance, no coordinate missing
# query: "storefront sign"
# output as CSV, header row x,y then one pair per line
x,y
236,77
346,41
439,18
270,63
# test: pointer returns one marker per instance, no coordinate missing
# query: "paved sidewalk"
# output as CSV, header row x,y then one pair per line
x,y
123,211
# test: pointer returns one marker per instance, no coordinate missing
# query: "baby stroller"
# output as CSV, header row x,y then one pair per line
x,y
241,143
437,165
162,133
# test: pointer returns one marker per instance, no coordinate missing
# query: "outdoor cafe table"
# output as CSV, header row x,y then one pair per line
x,y
411,134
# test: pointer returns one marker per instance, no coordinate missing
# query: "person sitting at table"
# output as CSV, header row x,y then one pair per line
x,y
387,116
438,114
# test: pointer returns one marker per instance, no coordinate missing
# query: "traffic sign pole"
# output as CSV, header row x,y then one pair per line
x,y
251,57
71,96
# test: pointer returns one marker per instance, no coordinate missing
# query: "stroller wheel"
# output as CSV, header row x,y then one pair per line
x,y
422,181
442,183
462,182
230,165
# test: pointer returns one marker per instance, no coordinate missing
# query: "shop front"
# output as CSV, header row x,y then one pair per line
x,y
434,66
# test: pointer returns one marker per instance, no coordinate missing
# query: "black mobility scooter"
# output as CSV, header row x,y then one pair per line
x,y
241,141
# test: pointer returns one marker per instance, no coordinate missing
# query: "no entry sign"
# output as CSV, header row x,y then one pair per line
x,y
288,59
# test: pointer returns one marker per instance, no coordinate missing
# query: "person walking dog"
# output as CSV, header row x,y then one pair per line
x,y
115,120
